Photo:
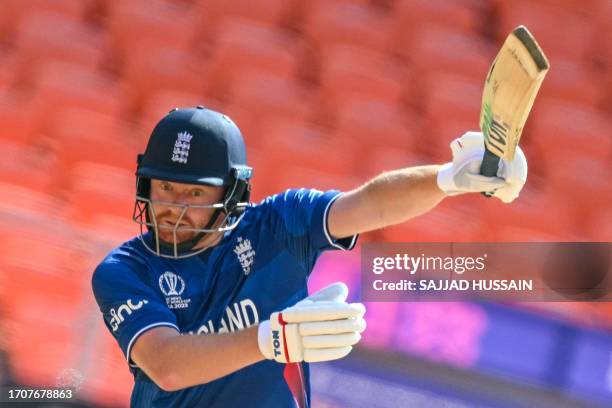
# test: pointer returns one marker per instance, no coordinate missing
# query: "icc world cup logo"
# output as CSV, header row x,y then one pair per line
x,y
171,284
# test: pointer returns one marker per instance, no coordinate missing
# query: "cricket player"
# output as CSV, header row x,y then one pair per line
x,y
209,303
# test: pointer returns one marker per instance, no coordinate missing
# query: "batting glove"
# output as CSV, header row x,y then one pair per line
x,y
321,327
462,175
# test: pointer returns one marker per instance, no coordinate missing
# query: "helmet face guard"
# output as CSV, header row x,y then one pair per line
x,y
232,209
192,146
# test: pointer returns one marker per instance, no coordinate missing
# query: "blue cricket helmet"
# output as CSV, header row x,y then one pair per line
x,y
194,146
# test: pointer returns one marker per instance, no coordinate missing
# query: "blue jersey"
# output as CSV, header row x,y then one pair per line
x,y
256,269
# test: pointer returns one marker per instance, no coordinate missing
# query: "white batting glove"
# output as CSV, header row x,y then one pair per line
x,y
321,327
462,175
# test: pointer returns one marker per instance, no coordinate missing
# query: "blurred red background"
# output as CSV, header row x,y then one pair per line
x,y
328,93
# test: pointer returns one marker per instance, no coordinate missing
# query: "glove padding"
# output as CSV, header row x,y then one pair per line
x,y
462,175
321,327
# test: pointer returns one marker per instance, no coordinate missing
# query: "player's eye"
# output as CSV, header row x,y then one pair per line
x,y
164,186
196,193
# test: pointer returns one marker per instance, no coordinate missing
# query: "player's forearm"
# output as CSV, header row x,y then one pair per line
x,y
186,360
400,195
390,198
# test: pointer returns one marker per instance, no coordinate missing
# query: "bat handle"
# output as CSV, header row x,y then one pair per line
x,y
489,166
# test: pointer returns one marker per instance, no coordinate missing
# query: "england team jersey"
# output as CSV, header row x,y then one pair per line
x,y
258,268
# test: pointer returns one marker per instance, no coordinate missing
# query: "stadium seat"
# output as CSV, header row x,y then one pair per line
x,y
60,85
598,225
59,261
450,106
242,45
296,176
435,136
59,253
59,353
100,189
34,294
290,143
553,222
109,381
575,39
574,6
46,35
602,49
22,201
514,233
443,224
12,12
435,48
385,158
160,103
264,96
370,123
561,129
98,125
580,182
271,12
85,135
348,71
340,22
149,24
8,70
17,9
111,229
29,279
583,89
463,16
28,166
18,116
150,71
452,97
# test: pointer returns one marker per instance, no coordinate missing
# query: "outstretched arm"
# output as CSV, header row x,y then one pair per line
x,y
390,198
396,196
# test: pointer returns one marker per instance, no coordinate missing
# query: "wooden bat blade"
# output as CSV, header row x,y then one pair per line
x,y
510,89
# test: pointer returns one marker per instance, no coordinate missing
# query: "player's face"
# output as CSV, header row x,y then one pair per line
x,y
180,194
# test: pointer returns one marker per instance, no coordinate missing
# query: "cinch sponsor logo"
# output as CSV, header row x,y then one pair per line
x,y
118,316
276,342
238,316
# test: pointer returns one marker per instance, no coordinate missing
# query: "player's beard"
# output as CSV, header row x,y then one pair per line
x,y
168,236
165,229
166,223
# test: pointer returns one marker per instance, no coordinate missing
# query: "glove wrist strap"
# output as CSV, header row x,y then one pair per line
x,y
264,339
445,180
284,336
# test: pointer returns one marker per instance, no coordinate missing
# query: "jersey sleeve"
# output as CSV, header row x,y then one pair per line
x,y
301,217
129,306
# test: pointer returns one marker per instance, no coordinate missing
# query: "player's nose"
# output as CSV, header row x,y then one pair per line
x,y
175,215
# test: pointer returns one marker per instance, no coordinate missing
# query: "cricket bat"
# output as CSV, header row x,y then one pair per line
x,y
511,86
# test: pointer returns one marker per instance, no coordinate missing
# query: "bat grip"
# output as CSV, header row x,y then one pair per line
x,y
489,166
